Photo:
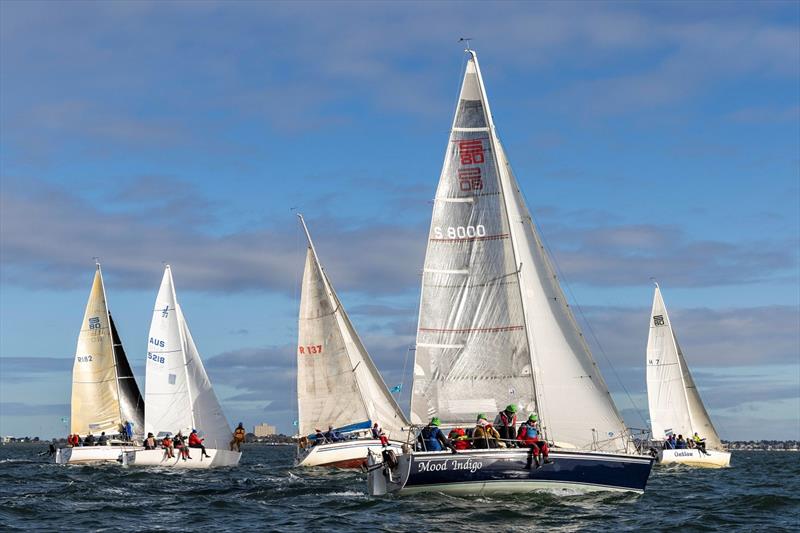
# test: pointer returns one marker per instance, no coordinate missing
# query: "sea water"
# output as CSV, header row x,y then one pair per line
x,y
760,492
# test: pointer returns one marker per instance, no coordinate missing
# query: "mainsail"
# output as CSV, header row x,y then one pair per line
x,y
104,391
494,326
177,389
675,404
337,382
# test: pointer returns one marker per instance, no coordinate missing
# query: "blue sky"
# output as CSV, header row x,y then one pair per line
x,y
650,139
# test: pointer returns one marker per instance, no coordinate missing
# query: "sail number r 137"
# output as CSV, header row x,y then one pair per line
x,y
459,232
311,349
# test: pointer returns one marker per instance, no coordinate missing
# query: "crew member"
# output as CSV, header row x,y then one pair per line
x,y
528,436
238,437
506,423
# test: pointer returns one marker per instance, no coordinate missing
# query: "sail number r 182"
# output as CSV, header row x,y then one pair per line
x,y
459,232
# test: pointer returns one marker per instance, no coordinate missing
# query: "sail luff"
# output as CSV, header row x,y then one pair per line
x,y
183,345
108,318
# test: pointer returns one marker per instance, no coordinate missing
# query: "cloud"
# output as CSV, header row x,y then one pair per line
x,y
23,409
38,220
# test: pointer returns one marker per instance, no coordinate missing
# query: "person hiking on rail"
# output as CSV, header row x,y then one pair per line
x,y
528,435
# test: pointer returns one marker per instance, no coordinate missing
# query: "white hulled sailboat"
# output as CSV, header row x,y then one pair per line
x,y
104,392
179,394
673,398
495,329
338,385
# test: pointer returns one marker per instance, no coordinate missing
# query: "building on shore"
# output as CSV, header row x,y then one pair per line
x,y
264,430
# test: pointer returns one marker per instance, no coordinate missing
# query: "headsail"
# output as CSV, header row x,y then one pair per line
x,y
177,389
104,391
337,382
673,398
494,326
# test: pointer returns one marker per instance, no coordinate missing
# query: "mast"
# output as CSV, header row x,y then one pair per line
x,y
110,336
495,143
183,345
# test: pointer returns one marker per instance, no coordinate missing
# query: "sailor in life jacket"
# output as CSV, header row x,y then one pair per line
x,y
528,435
506,423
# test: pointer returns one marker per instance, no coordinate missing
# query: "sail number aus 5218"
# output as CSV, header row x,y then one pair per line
x,y
311,349
459,232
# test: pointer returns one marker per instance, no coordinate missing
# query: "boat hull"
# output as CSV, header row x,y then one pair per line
x,y
345,454
486,472
218,459
694,457
92,454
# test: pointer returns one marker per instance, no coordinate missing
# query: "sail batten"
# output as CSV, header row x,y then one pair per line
x,y
337,383
507,319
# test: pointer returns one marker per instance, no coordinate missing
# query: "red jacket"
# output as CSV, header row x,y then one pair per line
x,y
194,439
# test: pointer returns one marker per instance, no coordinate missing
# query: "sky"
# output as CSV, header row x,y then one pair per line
x,y
657,139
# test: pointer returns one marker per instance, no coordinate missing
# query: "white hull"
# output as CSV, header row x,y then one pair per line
x,y
694,457
219,458
92,454
345,454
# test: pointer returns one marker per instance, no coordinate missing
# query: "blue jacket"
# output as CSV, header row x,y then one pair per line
x,y
432,438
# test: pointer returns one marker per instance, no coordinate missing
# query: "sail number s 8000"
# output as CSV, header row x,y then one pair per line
x,y
459,232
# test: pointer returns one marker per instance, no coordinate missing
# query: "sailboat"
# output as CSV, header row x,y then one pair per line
x,y
673,398
338,385
494,329
104,392
179,394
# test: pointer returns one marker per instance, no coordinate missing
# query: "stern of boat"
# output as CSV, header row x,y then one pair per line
x,y
387,472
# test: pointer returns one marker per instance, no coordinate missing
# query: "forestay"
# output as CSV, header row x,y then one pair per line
x,y
104,391
494,326
178,392
673,398
337,382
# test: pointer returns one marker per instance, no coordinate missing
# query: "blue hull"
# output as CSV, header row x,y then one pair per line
x,y
503,471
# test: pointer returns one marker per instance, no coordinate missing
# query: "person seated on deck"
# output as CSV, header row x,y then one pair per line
x,y
376,431
699,443
332,435
89,440
168,446
528,436
459,438
689,443
238,437
680,444
431,438
506,424
196,442
484,435
177,441
150,442
103,440
319,437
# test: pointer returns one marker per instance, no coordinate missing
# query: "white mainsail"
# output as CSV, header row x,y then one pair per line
x,y
337,382
673,398
104,391
178,393
494,325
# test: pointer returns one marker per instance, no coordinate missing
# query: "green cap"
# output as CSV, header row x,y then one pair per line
x,y
482,416
435,421
532,417
511,408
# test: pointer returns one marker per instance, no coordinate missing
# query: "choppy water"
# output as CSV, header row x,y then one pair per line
x,y
761,492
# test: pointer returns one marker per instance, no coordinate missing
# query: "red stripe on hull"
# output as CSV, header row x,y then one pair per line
x,y
349,463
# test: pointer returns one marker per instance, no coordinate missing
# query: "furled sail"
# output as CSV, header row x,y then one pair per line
x,y
494,326
177,389
337,382
104,391
673,398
